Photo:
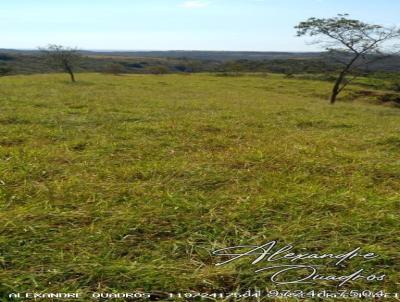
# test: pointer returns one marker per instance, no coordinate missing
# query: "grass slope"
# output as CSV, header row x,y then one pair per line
x,y
118,183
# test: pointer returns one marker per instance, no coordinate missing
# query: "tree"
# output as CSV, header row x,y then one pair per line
x,y
62,57
354,42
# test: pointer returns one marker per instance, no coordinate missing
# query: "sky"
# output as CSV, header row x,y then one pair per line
x,y
237,25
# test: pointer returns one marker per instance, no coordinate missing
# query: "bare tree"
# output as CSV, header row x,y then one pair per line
x,y
356,42
62,57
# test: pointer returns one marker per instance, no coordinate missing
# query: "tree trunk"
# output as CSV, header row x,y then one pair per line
x,y
71,73
336,88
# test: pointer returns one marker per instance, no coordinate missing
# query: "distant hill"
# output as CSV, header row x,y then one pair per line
x,y
28,61
196,55
214,55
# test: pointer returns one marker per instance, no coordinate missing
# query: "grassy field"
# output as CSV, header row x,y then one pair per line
x,y
122,183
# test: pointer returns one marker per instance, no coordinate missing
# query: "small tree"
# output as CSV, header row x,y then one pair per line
x,y
357,43
62,57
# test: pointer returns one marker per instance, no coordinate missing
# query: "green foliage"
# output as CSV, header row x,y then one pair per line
x,y
5,70
395,86
123,183
6,57
390,98
160,69
115,68
338,28
31,63
342,33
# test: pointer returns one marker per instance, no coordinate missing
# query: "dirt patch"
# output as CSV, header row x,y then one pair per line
x,y
390,97
379,97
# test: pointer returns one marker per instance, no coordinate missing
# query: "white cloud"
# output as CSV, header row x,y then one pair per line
x,y
194,4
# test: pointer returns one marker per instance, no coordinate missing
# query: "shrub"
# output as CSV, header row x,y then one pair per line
x,y
390,98
181,68
6,57
4,70
395,87
134,65
158,69
229,74
289,75
115,68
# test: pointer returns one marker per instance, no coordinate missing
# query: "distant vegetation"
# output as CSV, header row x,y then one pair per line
x,y
30,62
384,74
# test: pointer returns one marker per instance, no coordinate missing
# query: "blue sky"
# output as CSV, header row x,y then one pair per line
x,y
257,25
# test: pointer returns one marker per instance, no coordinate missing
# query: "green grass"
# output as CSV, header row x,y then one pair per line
x,y
121,183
